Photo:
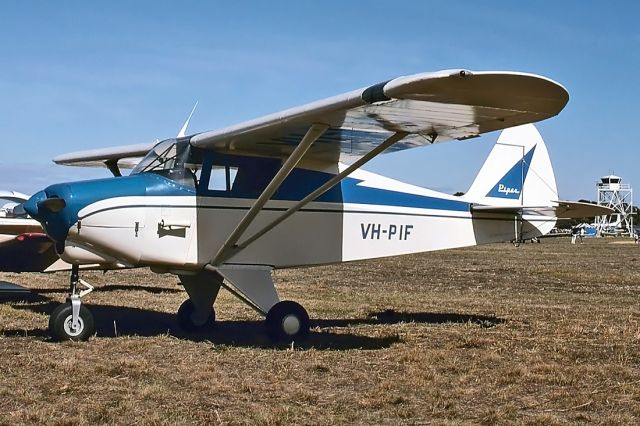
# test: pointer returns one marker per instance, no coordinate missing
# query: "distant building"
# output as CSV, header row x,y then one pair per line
x,y
618,196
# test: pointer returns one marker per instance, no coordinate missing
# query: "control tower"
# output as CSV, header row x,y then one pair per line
x,y
618,196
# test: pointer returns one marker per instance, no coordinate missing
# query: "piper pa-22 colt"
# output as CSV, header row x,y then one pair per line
x,y
226,207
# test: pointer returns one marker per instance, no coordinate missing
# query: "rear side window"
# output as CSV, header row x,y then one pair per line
x,y
222,178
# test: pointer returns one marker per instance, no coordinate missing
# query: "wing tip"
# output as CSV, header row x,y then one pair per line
x,y
493,89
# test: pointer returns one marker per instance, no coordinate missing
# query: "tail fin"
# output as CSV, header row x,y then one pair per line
x,y
518,172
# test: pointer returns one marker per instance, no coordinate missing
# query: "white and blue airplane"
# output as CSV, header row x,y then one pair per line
x,y
224,208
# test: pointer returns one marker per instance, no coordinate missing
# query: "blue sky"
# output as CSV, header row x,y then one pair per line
x,y
81,75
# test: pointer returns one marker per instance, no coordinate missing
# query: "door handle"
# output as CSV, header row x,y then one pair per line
x,y
173,224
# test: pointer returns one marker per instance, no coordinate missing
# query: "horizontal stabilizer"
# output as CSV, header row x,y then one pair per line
x,y
574,209
563,210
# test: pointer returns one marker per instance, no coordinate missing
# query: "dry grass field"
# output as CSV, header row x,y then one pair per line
x,y
542,334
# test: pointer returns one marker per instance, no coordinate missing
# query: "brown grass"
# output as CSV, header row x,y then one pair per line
x,y
545,334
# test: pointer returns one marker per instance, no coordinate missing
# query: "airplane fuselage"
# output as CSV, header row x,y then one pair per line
x,y
172,227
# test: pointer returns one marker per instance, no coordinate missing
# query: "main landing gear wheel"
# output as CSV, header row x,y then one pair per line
x,y
287,321
61,324
185,320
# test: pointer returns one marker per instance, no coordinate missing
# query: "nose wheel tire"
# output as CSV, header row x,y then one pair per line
x,y
61,324
287,321
185,317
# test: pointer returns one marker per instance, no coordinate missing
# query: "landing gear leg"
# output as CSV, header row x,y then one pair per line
x,y
197,311
72,320
286,321
518,229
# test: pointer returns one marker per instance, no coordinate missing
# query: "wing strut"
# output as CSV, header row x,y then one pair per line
x,y
314,132
112,165
322,189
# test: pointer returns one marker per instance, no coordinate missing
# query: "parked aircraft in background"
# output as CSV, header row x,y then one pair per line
x,y
24,247
226,207
615,227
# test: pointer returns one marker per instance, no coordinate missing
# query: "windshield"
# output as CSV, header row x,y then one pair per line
x,y
173,159
161,157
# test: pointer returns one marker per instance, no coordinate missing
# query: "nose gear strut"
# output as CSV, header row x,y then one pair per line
x,y
72,320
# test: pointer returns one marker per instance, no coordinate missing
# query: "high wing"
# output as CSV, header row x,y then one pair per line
x,y
428,107
563,210
126,156
424,108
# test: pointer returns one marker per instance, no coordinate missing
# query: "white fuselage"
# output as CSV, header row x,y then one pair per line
x,y
185,232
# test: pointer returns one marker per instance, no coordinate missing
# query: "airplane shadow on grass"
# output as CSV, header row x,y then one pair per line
x,y
114,321
115,287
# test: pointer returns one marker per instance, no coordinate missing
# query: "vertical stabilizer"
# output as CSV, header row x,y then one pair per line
x,y
518,172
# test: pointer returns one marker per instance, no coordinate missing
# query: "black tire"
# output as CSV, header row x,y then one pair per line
x,y
184,317
60,324
56,312
287,321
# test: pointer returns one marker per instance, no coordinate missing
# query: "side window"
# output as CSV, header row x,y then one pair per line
x,y
218,179
222,178
231,176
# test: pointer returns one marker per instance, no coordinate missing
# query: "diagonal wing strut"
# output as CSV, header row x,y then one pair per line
x,y
314,132
315,194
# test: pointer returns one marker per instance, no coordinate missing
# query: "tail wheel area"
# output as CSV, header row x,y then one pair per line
x,y
185,317
62,327
287,321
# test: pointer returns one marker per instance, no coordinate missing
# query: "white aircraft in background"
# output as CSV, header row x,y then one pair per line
x,y
226,207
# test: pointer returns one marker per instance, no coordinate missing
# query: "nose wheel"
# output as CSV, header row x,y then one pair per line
x,y
62,326
72,320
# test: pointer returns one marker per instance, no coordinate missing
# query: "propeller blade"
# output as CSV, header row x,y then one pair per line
x,y
52,205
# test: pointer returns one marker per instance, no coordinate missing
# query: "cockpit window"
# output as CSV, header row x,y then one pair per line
x,y
173,159
161,157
